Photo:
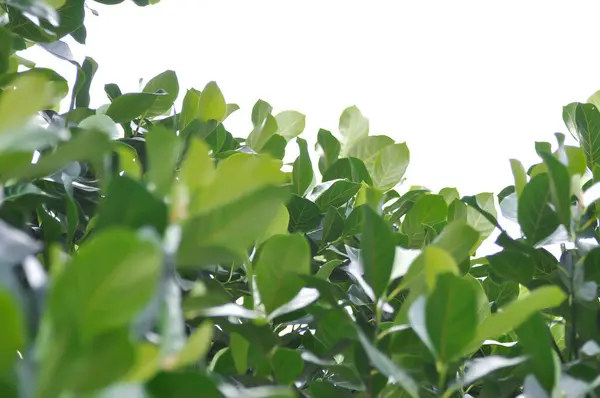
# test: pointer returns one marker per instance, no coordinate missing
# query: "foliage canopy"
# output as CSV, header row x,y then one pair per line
x,y
149,252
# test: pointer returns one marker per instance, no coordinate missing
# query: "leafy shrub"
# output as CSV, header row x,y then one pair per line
x,y
150,253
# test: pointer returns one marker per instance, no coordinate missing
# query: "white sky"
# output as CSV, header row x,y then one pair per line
x,y
467,84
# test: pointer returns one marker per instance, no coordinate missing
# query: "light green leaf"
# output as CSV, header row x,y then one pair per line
x,y
279,225
190,108
353,126
389,166
146,364
196,347
26,95
449,195
290,124
475,219
166,83
377,248
239,351
428,211
367,148
265,125
88,293
212,105
163,149
458,239
330,147
197,169
224,233
281,260
101,123
237,176
517,312
519,175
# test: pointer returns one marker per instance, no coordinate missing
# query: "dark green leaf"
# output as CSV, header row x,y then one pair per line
x,y
287,365
428,210
302,175
129,204
5,49
377,251
333,225
513,266
275,146
305,215
339,193
458,239
112,91
330,147
81,91
12,332
127,107
560,188
186,384
587,127
351,169
535,339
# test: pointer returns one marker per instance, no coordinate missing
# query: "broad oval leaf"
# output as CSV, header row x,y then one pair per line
x,y
167,84
129,106
353,126
290,124
536,217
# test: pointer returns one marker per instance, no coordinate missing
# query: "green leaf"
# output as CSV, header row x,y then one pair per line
x,y
353,126
339,193
576,160
129,106
5,49
196,347
367,149
477,220
330,148
190,108
129,204
333,225
85,146
104,361
239,351
389,166
281,260
197,169
305,215
517,312
83,81
377,248
388,368
279,225
163,150
183,384
290,124
450,316
326,269
351,169
165,83
519,175
287,365
28,94
428,210
224,233
449,195
560,188
212,105
458,239
501,294
12,332
512,265
88,293
535,340
100,123
302,174
265,125
275,147
536,217
237,176
587,126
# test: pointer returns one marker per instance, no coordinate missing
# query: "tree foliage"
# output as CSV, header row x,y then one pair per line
x,y
146,252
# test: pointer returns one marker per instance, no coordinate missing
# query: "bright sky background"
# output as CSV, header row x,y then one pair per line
x,y
467,84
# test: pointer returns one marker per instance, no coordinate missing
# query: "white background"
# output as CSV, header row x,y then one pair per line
x,y
467,84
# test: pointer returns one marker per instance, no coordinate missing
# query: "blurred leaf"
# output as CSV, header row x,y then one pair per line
x,y
513,266
275,146
183,384
280,260
302,175
535,340
164,149
167,84
519,175
290,124
265,125
377,251
287,365
12,332
458,239
239,351
190,108
225,233
196,347
88,293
